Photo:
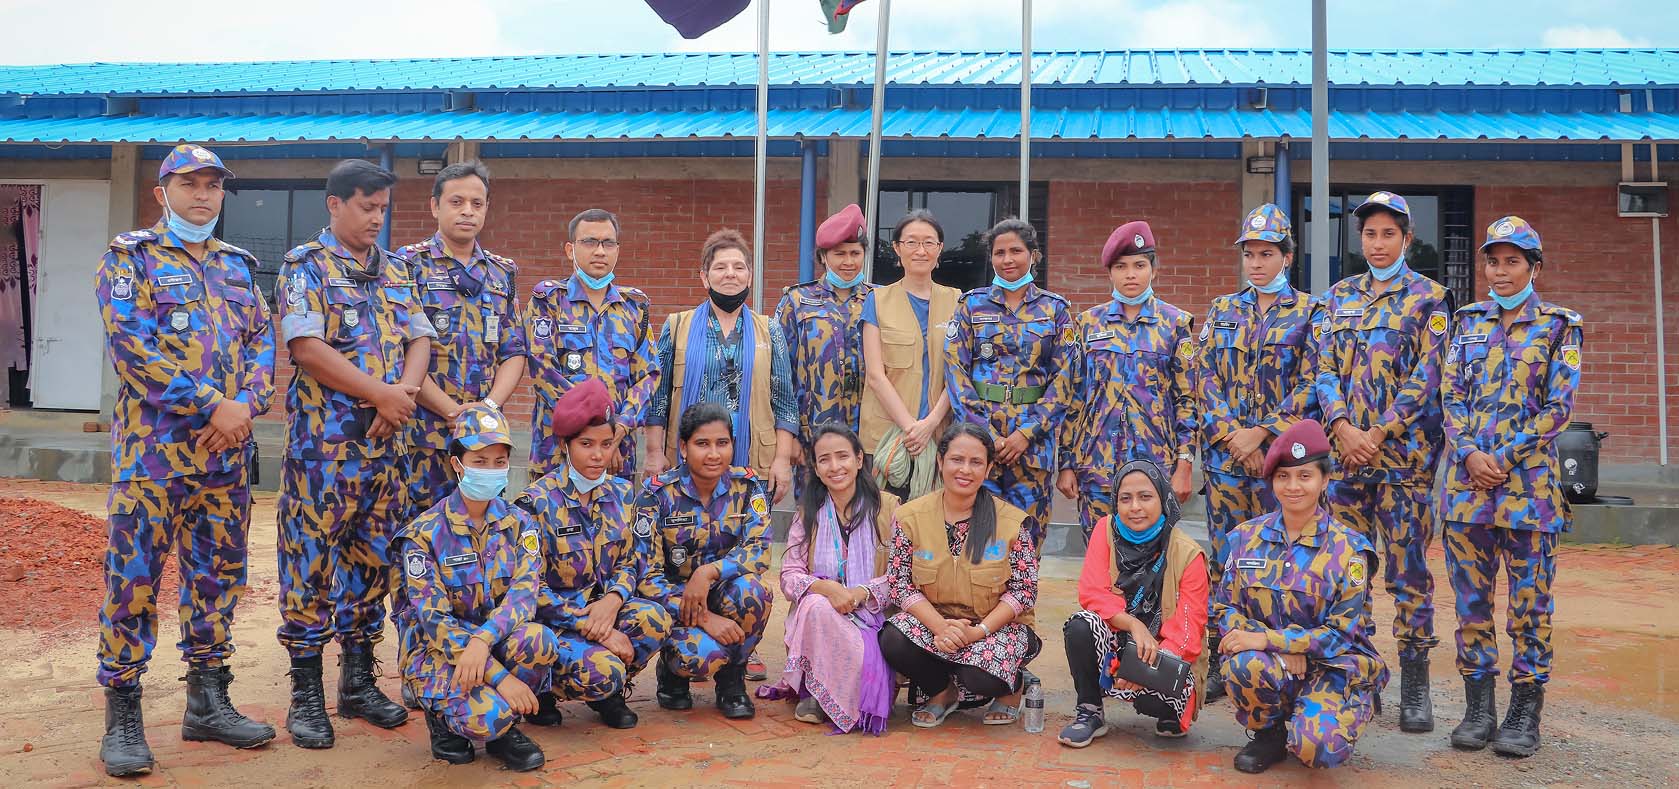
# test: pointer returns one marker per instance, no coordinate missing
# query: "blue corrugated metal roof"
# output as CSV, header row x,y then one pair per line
x,y
1591,67
1047,124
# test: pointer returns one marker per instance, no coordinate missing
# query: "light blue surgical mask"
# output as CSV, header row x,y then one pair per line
x,y
1511,302
1025,279
482,484
1389,272
834,280
1276,284
596,284
1132,302
1145,536
582,483
184,230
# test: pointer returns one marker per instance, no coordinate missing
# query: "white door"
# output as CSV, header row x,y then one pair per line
x,y
69,352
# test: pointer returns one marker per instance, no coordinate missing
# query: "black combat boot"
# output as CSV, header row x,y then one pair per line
x,y
1416,706
547,711
614,712
307,720
211,715
673,691
446,745
1519,736
1214,689
1480,714
123,749
359,695
732,699
409,700
1268,747
516,751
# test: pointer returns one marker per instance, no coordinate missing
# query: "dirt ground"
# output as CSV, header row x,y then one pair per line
x,y
1611,717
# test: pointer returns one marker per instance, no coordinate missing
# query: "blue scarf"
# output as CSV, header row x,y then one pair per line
x,y
693,378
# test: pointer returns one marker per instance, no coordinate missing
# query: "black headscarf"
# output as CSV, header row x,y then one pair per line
x,y
1142,567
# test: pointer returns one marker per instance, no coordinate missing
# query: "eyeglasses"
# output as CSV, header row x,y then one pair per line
x,y
607,244
927,245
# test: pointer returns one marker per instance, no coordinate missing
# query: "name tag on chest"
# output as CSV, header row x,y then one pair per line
x,y
340,282
810,302
1224,324
1252,564
1097,336
985,319
440,284
1471,339
460,559
681,520
570,328
1349,312
569,530
173,279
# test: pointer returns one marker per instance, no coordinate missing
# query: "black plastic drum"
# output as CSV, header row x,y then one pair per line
x,y
1578,448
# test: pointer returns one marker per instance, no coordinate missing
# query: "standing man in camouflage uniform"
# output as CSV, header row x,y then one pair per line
x,y
470,299
193,347
587,326
362,346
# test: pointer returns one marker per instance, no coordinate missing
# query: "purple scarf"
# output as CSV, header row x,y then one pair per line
x,y
856,568
693,377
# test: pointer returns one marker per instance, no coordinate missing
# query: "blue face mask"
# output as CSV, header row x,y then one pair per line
x,y
1132,302
482,484
1145,536
1385,274
596,284
1511,302
997,279
184,230
582,483
834,280
1276,284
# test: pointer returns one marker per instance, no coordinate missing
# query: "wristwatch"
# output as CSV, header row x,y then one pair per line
x,y
492,403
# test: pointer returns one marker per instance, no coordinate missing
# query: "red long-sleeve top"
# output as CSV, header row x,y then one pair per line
x,y
1182,632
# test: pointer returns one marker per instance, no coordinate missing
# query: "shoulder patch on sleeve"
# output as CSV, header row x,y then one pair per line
x,y
1356,572
530,540
1571,356
417,563
1438,323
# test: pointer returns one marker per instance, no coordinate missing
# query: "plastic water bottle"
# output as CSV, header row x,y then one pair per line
x,y
1032,706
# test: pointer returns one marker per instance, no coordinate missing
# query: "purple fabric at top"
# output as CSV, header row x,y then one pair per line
x,y
695,18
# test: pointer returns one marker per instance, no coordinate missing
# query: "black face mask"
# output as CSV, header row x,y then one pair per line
x,y
729,303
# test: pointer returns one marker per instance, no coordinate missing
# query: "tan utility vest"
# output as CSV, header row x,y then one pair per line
x,y
957,588
760,416
1180,551
901,346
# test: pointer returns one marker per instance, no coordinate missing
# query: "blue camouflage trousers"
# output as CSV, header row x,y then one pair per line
x,y
1399,521
1032,490
587,671
693,653
1324,715
204,520
337,518
1473,554
481,714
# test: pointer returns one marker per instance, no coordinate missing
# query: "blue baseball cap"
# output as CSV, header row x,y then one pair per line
x,y
1265,223
1512,230
1383,199
188,158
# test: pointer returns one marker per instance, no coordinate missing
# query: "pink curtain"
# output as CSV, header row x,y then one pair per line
x,y
20,209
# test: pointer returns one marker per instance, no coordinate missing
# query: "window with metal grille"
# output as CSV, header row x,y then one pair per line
x,y
269,218
1442,224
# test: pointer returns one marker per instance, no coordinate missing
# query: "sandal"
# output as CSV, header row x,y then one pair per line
x,y
1009,714
930,716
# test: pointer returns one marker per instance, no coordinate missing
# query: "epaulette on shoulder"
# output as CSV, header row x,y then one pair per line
x,y
546,288
1565,313
301,251
125,242
797,285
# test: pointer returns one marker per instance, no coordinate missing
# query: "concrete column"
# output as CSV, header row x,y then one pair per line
x,y
122,212
845,174
1257,189
461,151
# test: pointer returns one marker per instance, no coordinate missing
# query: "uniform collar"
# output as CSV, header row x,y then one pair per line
x,y
1367,281
375,255
690,490
440,251
459,522
1149,311
1274,531
574,290
212,245
1285,297
1030,292
568,491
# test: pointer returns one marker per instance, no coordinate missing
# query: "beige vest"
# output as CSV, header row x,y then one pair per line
x,y
957,588
760,416
1180,551
901,347
883,530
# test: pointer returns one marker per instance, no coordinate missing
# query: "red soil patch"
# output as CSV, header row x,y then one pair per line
x,y
52,566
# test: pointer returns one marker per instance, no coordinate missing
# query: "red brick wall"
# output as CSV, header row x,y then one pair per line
x,y
1191,224
1600,265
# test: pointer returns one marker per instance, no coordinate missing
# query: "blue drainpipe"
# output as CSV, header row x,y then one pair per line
x,y
1284,185
387,160
807,212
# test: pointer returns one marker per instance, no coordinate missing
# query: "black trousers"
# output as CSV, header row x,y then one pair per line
x,y
932,674
1081,663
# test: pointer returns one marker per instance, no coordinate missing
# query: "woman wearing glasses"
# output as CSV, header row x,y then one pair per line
x,y
904,330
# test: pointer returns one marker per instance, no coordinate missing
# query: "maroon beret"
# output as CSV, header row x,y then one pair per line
x,y
1131,238
1297,446
841,228
582,406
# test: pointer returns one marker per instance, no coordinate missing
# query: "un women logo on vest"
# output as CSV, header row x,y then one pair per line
x,y
994,551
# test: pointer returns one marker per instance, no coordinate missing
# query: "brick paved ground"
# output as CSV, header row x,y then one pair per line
x,y
1611,716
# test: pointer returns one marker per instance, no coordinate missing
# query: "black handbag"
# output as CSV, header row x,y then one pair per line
x,y
1167,676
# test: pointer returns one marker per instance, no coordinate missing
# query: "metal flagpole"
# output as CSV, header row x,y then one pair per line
x,y
1025,108
872,197
761,155
1321,210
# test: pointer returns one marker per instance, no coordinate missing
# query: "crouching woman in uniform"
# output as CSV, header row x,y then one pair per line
x,y
1299,666
471,567
1144,582
710,549
595,556
964,573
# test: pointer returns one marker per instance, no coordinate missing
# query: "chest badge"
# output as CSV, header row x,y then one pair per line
x,y
544,328
988,350
679,554
352,318
573,361
179,320
440,321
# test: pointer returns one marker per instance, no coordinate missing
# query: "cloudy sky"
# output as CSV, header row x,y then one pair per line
x,y
70,31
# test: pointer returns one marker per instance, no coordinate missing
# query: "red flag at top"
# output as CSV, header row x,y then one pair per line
x,y
695,18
